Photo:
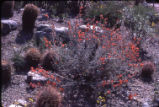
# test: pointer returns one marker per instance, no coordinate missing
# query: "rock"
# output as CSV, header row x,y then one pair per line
x,y
22,9
43,26
34,77
8,26
97,28
40,35
19,103
43,17
44,30
61,29
60,20
62,32
145,104
42,10
14,105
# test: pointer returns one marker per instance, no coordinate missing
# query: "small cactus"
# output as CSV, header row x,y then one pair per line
x,y
32,57
49,60
147,70
6,72
7,9
29,16
49,97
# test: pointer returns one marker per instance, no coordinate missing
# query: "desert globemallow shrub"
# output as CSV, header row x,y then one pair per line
x,y
7,9
32,57
5,72
49,97
29,17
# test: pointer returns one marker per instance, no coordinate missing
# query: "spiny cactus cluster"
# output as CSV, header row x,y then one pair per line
x,y
29,16
7,9
49,60
6,72
49,97
32,57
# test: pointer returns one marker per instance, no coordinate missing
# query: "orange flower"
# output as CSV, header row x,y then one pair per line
x,y
46,15
103,83
126,81
54,83
63,45
40,70
58,80
108,92
52,77
61,89
39,84
112,81
120,81
119,76
48,82
130,97
102,59
101,16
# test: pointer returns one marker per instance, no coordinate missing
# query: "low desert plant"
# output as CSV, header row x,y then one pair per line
x,y
19,62
148,70
6,72
7,9
49,97
32,57
137,20
29,16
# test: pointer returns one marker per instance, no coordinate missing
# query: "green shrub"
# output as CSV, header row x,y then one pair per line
x,y
49,97
29,16
7,9
6,72
32,57
18,62
18,5
109,9
137,20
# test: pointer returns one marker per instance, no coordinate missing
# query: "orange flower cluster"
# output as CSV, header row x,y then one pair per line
x,y
46,15
53,82
47,43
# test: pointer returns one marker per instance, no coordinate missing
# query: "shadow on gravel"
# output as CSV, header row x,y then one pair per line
x,y
23,37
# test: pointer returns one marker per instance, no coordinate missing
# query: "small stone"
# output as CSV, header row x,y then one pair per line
x,y
8,26
145,104
97,28
34,77
13,105
43,26
22,102
61,29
